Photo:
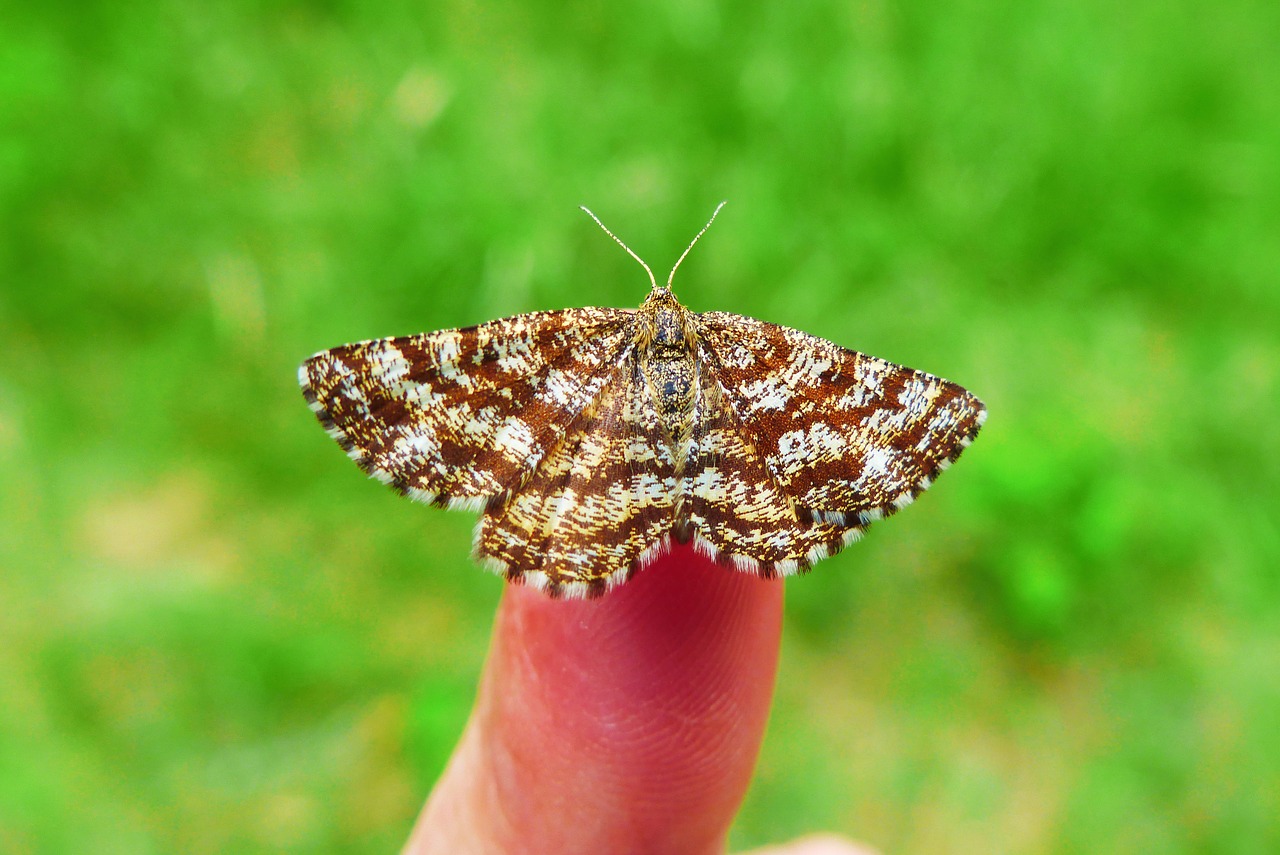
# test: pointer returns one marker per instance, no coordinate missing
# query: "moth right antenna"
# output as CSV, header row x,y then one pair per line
x,y
695,240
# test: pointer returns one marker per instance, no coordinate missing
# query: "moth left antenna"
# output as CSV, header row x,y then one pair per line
x,y
695,240
653,283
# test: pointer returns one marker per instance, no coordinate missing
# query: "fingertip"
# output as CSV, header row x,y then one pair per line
x,y
630,721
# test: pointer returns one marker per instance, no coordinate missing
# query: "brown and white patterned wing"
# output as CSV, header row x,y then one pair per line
x,y
457,416
739,512
849,437
600,500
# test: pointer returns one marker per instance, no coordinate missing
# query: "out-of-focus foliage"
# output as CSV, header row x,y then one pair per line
x,y
215,636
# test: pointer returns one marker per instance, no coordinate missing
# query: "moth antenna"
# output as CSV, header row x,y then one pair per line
x,y
695,240
653,283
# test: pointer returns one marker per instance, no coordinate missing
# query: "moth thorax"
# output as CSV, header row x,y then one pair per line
x,y
667,329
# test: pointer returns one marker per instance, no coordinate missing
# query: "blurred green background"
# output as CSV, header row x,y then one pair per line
x,y
215,635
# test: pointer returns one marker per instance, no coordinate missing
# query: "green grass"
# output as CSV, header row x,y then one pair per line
x,y
217,637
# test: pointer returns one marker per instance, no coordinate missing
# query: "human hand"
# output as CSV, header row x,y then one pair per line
x,y
628,724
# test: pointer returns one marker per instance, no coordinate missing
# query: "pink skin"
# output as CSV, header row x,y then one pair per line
x,y
627,724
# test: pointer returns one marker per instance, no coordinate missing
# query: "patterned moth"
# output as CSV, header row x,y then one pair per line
x,y
591,438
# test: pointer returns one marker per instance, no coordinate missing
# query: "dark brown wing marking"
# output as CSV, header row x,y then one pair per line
x,y
458,416
738,510
847,436
600,500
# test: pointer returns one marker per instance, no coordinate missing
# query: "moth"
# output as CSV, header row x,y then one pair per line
x,y
590,439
